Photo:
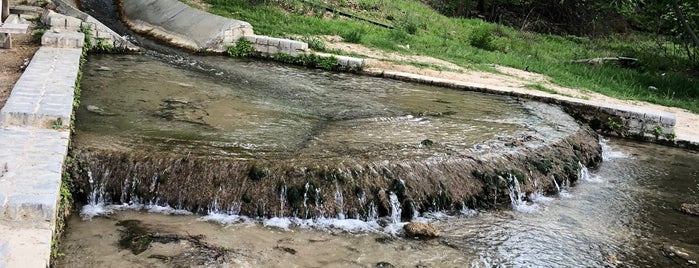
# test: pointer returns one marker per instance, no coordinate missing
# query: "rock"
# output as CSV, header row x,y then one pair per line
x,y
673,251
384,264
421,229
104,69
99,110
691,209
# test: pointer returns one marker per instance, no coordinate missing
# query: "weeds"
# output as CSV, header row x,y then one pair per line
x,y
242,48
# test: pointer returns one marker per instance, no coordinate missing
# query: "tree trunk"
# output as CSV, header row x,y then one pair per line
x,y
685,24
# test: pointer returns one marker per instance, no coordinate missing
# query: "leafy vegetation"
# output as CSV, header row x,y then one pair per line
x,y
664,73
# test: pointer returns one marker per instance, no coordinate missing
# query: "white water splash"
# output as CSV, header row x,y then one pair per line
x,y
517,197
608,153
282,199
339,201
395,208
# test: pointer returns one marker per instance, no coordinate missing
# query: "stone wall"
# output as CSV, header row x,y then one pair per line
x,y
99,33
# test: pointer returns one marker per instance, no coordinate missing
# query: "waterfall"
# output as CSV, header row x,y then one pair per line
x,y
517,196
339,202
372,215
282,199
395,208
95,200
558,188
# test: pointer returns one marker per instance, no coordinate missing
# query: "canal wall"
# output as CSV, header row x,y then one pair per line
x,y
179,24
34,138
35,125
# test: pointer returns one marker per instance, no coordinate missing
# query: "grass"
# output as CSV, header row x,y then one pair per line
x,y
540,87
661,75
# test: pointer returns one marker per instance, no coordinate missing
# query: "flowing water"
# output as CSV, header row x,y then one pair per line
x,y
262,110
621,214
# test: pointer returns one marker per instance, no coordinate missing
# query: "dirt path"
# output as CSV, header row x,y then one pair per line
x,y
687,126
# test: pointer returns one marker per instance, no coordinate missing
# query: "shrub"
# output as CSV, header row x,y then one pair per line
x,y
353,36
482,38
242,48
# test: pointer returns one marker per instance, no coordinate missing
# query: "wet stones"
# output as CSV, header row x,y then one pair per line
x,y
680,253
421,230
691,209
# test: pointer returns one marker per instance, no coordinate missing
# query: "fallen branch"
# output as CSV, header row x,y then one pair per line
x,y
600,61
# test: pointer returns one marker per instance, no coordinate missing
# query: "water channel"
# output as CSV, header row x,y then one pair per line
x,y
217,110
620,214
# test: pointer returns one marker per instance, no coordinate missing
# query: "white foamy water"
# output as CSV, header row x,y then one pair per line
x,y
608,152
90,211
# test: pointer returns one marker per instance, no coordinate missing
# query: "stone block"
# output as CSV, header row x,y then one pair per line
x,y
73,23
21,9
261,40
271,50
276,42
299,46
252,39
668,120
285,45
260,48
30,207
63,40
633,123
652,117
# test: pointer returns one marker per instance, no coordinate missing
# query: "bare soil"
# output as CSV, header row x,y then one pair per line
x,y
11,60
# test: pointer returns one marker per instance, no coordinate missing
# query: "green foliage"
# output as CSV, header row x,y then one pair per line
x,y
315,43
481,37
663,63
540,87
242,48
309,60
658,131
353,36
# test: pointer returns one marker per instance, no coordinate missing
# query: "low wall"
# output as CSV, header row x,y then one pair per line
x,y
34,138
182,25
70,18
624,121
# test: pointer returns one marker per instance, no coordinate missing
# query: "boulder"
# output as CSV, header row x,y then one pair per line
x,y
421,229
691,209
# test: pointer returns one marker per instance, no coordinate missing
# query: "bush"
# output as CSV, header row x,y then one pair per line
x,y
482,38
353,36
242,48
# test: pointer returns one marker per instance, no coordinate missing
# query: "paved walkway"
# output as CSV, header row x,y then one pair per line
x,y
34,138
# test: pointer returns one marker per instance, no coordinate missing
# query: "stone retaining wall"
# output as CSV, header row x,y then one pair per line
x,y
34,138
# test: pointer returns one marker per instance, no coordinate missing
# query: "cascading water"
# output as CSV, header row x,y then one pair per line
x,y
395,208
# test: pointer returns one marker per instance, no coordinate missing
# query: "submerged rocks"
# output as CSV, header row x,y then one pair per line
x,y
691,209
421,230
678,252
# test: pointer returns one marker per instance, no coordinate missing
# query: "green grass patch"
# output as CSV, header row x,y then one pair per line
x,y
540,87
662,74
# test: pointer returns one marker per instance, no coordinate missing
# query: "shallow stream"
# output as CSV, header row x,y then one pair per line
x,y
621,214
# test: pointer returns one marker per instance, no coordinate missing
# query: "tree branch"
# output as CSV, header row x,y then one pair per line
x,y
687,27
